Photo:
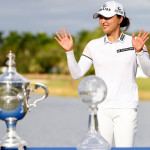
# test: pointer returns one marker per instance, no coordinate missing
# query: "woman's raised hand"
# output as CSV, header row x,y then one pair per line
x,y
64,40
140,41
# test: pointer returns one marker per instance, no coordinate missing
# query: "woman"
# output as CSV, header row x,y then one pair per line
x,y
115,57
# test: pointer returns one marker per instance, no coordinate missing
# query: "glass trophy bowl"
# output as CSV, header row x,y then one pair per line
x,y
92,90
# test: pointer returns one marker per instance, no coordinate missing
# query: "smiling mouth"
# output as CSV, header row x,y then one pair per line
x,y
105,26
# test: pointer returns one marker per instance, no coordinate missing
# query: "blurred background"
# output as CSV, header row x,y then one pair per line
x,y
28,29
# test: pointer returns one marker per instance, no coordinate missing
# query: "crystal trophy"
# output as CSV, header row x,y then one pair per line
x,y
92,90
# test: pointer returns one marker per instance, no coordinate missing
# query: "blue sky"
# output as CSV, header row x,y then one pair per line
x,y
75,15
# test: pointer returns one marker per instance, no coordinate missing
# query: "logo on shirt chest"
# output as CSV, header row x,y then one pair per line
x,y
125,49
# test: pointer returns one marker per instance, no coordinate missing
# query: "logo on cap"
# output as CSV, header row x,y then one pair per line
x,y
118,10
105,8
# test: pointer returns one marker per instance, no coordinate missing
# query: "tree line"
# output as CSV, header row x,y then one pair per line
x,y
40,53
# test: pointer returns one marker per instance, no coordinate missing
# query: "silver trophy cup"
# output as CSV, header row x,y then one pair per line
x,y
92,90
14,102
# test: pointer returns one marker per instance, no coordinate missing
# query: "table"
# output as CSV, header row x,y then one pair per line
x,y
73,148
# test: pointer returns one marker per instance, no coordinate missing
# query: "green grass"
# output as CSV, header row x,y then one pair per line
x,y
143,88
64,85
143,84
60,83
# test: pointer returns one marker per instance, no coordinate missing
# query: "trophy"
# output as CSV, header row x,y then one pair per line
x,y
92,90
14,102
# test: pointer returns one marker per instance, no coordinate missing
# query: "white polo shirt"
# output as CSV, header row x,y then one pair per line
x,y
116,63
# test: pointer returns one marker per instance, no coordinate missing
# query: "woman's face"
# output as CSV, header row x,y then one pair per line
x,y
110,25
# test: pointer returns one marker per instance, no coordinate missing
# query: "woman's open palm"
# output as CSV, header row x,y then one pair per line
x,y
140,41
64,40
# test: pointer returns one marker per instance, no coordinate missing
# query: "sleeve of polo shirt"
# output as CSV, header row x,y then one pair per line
x,y
87,52
143,61
77,70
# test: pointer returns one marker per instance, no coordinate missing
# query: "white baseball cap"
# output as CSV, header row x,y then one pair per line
x,y
109,9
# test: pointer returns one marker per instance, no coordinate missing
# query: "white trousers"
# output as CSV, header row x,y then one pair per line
x,y
120,124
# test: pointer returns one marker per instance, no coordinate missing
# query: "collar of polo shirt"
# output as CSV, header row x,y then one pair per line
x,y
120,39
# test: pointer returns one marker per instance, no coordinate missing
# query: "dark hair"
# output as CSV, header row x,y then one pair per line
x,y
125,23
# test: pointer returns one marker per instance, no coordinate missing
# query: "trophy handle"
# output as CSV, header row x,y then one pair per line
x,y
37,85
